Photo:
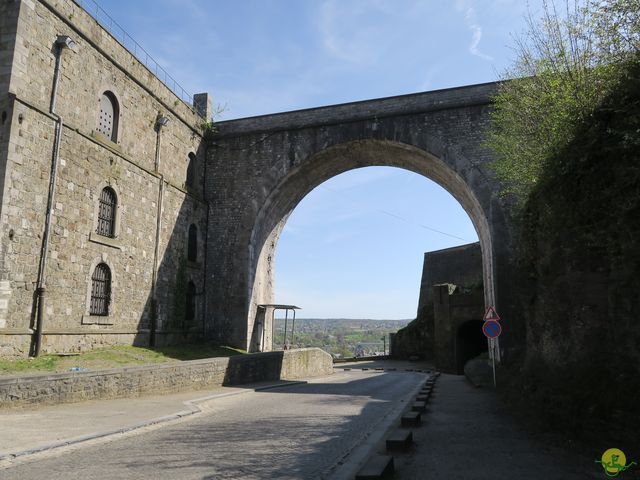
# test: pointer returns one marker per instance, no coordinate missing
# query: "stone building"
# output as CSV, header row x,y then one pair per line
x,y
448,326
115,210
102,213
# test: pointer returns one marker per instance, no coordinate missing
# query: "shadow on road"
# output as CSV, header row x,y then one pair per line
x,y
316,428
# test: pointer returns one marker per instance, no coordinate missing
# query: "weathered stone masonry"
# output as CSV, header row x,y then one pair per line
x,y
89,162
247,180
261,167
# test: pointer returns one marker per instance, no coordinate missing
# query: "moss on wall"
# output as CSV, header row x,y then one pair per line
x,y
579,280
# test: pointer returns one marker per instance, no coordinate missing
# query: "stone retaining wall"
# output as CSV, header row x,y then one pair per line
x,y
165,378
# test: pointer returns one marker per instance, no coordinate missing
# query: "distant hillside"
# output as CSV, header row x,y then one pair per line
x,y
339,336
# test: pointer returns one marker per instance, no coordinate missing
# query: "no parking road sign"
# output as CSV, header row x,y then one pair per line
x,y
491,329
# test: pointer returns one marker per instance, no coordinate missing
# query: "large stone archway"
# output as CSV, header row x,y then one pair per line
x,y
258,170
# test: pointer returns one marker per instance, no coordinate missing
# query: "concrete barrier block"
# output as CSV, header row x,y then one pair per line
x,y
399,440
411,419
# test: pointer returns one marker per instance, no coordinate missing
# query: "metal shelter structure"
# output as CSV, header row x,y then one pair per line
x,y
287,309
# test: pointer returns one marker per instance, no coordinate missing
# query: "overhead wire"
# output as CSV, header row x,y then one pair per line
x,y
393,215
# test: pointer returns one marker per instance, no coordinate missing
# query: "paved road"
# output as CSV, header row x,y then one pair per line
x,y
298,432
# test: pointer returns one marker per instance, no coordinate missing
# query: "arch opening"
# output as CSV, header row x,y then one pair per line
x,y
333,161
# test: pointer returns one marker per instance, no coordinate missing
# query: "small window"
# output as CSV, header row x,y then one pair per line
x,y
100,290
190,313
192,244
107,213
108,118
191,171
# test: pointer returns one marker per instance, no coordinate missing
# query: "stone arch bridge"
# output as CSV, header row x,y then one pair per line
x,y
259,168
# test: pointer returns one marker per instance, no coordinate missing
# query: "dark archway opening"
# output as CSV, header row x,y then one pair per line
x,y
470,342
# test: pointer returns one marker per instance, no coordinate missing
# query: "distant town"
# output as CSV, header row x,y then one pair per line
x,y
339,336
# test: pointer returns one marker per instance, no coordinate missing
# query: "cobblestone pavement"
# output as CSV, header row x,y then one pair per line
x,y
297,432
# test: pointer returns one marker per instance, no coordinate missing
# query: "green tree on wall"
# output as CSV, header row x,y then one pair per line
x,y
567,62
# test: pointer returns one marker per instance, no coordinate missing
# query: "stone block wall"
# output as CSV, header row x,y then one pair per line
x,y
258,169
154,379
8,24
460,266
261,167
132,166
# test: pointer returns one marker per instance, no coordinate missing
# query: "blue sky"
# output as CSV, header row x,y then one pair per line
x,y
353,247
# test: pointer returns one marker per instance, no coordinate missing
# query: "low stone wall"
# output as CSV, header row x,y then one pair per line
x,y
165,378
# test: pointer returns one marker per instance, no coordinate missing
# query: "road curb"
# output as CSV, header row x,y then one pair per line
x,y
192,406
356,458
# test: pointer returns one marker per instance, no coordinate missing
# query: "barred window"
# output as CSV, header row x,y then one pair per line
x,y
192,244
107,213
190,314
100,290
191,171
108,118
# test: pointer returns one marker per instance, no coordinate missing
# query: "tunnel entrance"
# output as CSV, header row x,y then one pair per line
x,y
470,342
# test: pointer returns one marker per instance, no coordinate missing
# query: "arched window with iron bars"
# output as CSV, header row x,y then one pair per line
x,y
107,207
108,117
100,290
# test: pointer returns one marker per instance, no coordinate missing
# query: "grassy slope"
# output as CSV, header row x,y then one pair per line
x,y
113,357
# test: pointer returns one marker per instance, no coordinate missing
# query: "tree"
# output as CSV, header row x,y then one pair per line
x,y
566,63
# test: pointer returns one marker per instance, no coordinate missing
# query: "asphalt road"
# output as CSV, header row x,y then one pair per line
x,y
298,432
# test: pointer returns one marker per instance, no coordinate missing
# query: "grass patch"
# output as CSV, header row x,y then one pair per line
x,y
44,363
114,357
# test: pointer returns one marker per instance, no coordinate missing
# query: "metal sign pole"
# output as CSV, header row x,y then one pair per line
x,y
492,330
493,360
264,328
286,318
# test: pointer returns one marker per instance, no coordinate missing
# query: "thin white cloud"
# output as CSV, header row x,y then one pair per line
x,y
471,21
476,29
